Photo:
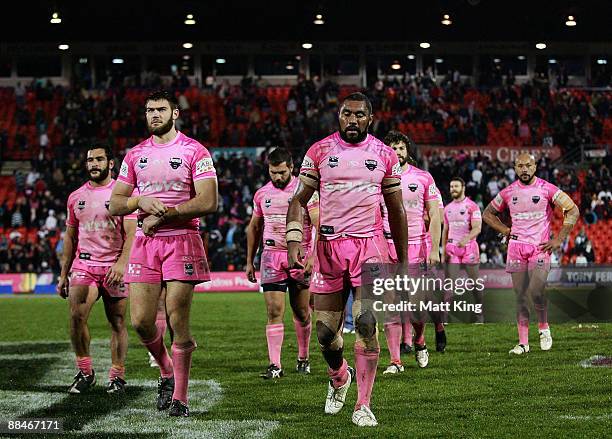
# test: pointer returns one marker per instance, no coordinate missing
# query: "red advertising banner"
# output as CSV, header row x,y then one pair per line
x,y
505,154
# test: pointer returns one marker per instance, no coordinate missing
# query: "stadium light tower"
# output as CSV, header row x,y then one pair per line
x,y
424,45
63,47
396,65
446,20
307,46
187,45
190,20
571,21
319,19
541,46
55,18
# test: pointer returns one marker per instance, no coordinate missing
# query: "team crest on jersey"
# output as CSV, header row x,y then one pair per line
x,y
175,162
143,162
189,269
333,161
81,204
267,202
462,212
535,199
514,200
106,204
371,164
413,187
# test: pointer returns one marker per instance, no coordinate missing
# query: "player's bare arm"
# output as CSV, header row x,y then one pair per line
x,y
476,227
570,217
70,245
123,203
295,219
114,276
434,231
491,217
254,233
205,201
392,193
314,219
444,240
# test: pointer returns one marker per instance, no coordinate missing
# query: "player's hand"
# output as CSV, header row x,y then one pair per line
x,y
150,225
444,257
114,276
250,273
309,265
62,286
152,205
550,246
433,258
464,241
295,255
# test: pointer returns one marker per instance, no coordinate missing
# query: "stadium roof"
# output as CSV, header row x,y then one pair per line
x,y
287,20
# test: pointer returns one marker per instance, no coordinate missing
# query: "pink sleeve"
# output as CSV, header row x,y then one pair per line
x,y
431,191
257,205
126,173
499,202
311,160
476,215
71,218
202,164
392,166
445,219
440,202
552,192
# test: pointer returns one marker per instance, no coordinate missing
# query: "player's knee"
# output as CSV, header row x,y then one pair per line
x,y
325,335
302,315
117,323
143,327
365,324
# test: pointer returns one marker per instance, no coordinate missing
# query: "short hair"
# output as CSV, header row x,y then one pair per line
x,y
397,137
101,144
459,179
359,97
280,155
161,95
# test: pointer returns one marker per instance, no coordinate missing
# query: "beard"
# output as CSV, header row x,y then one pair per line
x,y
281,184
455,195
358,139
526,178
402,160
103,173
161,129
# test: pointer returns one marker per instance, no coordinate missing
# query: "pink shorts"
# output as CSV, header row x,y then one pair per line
x,y
274,268
470,254
525,257
417,252
95,276
342,258
158,258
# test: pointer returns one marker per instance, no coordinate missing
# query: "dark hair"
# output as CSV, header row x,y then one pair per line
x,y
280,155
459,179
359,97
102,144
397,137
161,95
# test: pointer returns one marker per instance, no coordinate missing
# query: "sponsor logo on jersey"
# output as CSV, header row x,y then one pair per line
x,y
333,161
189,269
371,164
175,162
267,202
413,187
462,212
81,204
326,230
134,269
204,165
397,169
143,162
124,169
307,163
433,190
535,199
85,256
159,186
270,242
352,186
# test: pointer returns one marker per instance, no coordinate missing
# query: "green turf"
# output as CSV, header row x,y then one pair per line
x,y
474,390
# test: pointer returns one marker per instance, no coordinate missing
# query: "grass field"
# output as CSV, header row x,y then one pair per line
x,y
473,390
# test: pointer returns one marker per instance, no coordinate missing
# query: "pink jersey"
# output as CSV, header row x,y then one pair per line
x,y
168,172
458,217
101,235
350,184
272,204
531,209
418,187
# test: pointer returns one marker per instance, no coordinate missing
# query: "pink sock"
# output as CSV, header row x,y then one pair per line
x,y
181,355
116,372
543,326
303,338
523,332
158,349
84,365
160,322
393,333
365,363
439,327
339,377
419,333
275,334
407,333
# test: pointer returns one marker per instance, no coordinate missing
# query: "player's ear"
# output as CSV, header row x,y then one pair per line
x,y
175,114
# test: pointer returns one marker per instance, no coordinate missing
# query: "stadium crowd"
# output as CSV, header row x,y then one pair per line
x,y
457,113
